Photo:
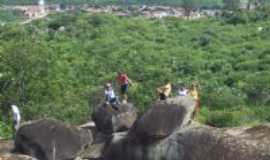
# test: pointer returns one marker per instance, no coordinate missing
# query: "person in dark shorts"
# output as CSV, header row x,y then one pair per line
x,y
124,82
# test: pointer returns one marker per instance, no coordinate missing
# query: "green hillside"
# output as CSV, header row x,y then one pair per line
x,y
57,67
11,16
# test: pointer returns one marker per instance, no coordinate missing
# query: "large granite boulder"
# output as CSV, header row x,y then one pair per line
x,y
51,140
196,142
164,117
109,120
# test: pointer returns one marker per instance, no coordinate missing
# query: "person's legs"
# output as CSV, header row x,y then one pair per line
x,y
14,129
113,103
124,89
162,96
197,109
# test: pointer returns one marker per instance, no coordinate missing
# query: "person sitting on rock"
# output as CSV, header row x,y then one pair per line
x,y
110,96
124,82
164,91
183,91
195,94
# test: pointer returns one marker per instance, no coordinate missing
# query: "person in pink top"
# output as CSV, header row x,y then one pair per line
x,y
124,82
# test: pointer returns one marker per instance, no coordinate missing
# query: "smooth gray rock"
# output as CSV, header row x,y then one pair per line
x,y
164,117
109,120
51,140
196,142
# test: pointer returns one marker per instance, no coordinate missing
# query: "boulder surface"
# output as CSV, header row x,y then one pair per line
x,y
9,156
109,120
196,142
164,117
51,140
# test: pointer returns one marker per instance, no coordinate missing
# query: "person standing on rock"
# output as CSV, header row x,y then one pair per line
x,y
16,117
164,91
124,82
110,96
195,94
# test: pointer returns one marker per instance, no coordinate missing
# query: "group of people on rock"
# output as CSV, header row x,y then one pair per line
x,y
110,96
163,92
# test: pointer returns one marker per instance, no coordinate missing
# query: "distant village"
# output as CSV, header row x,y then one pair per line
x,y
39,11
42,10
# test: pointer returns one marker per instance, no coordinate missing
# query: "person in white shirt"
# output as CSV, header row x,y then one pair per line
x,y
16,116
182,92
110,96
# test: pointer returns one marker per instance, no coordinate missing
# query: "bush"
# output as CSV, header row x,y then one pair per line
x,y
222,97
258,88
5,130
231,118
237,17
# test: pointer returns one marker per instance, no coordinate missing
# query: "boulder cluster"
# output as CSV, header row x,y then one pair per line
x,y
165,132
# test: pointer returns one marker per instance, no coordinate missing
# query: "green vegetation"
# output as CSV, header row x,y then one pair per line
x,y
10,16
57,67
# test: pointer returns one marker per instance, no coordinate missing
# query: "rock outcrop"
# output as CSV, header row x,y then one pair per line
x,y
6,146
6,149
109,120
51,140
196,142
164,117
165,132
9,156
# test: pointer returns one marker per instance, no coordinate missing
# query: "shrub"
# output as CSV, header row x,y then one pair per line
x,y
5,130
222,97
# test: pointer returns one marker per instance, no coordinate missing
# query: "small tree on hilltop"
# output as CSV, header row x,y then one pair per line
x,y
188,6
232,4
255,3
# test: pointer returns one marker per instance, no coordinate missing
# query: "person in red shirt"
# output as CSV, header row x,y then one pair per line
x,y
124,82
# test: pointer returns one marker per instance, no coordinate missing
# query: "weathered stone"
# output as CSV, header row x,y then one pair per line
x,y
51,140
196,142
164,117
95,151
109,120
9,156
6,146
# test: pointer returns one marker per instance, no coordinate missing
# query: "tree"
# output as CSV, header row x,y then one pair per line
x,y
255,3
188,6
232,4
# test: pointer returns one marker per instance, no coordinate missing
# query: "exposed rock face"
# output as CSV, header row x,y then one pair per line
x,y
9,156
6,146
196,142
95,150
51,140
168,125
109,120
164,117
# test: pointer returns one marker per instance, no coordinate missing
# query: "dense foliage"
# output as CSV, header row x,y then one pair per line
x,y
11,15
57,67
